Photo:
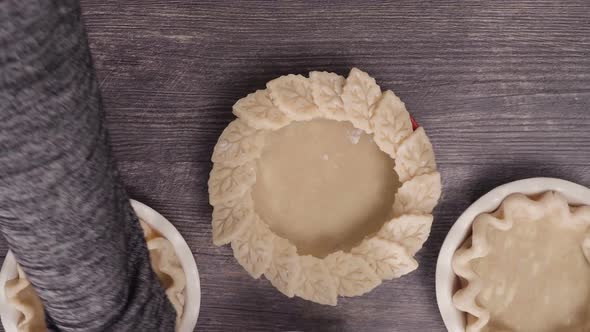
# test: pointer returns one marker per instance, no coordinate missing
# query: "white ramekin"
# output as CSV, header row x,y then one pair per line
x,y
446,280
192,304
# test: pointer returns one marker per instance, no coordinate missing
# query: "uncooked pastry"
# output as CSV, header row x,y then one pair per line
x,y
24,299
21,295
526,267
322,186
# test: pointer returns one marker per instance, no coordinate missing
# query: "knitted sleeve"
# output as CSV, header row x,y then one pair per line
x,y
63,209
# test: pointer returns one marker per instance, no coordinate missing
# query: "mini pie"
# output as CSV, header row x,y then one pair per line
x,y
322,185
526,267
22,296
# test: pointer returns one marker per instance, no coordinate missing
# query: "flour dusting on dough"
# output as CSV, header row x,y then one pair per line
x,y
354,135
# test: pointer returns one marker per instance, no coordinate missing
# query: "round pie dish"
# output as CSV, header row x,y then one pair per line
x,y
323,186
192,291
447,282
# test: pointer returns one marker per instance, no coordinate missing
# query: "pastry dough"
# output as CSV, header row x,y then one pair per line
x,y
526,267
21,294
321,185
166,265
303,165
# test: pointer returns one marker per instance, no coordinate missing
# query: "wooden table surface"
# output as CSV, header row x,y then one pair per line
x,y
502,88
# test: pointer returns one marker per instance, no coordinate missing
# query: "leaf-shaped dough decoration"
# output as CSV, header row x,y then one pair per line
x,y
316,284
354,275
327,90
410,231
227,183
415,156
388,259
418,196
285,269
391,123
359,94
253,249
231,218
258,111
238,144
292,95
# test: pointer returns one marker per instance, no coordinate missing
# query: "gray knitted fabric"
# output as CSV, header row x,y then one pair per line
x,y
63,209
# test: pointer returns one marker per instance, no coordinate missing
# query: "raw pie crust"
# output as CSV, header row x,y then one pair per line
x,y
526,267
22,296
290,171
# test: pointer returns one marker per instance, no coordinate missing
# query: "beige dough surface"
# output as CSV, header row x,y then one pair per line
x,y
324,185
537,277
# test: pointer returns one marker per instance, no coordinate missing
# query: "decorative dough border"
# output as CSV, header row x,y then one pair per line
x,y
476,246
383,256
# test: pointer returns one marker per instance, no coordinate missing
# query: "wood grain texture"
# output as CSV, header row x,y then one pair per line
x,y
502,88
